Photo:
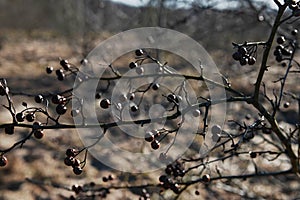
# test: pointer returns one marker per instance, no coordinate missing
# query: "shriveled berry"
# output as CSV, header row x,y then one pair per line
x,y
3,161
197,192
38,134
39,98
131,96
98,95
105,103
149,136
155,144
139,52
49,69
61,109
77,170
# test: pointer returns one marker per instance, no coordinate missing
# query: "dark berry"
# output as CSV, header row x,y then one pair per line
x,y
36,125
104,179
149,136
251,60
77,170
237,56
277,52
39,98
139,52
105,103
65,64
84,61
155,86
71,152
155,144
61,109
3,90
131,96
20,117
9,129
38,134
171,97
286,52
98,96
286,105
163,178
69,161
197,192
49,70
56,99
61,77
134,108
3,161
110,177
244,61
206,178
279,58
30,117
252,154
294,32
280,40
76,163
59,72
133,65
242,50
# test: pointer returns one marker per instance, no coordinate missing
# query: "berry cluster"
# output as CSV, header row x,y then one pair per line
x,y
80,191
245,54
176,169
283,47
65,70
72,161
168,183
153,137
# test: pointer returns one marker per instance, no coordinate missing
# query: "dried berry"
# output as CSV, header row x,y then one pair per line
x,y
69,161
30,117
49,70
252,154
20,117
280,40
133,65
71,152
206,178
